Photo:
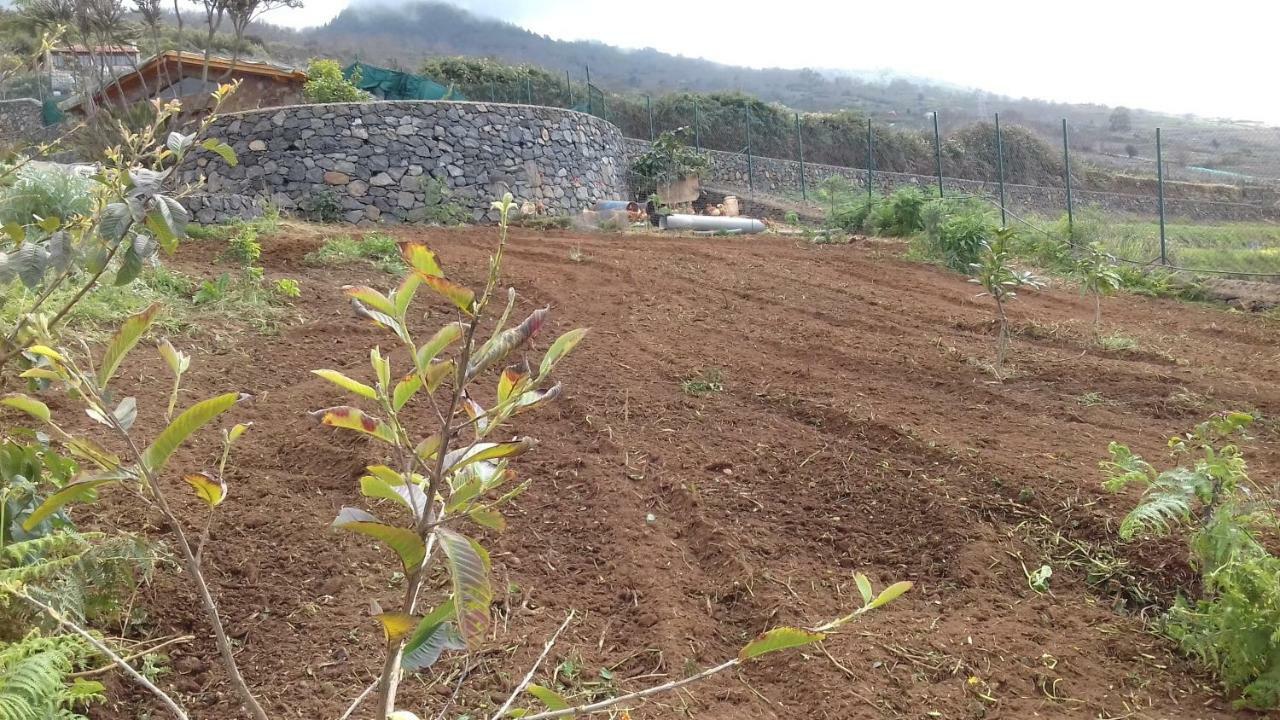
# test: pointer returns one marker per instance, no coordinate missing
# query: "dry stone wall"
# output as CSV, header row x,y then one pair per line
x,y
385,161
22,123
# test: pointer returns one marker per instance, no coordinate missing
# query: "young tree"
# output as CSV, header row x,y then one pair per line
x,y
325,84
1098,277
243,12
1001,282
1120,120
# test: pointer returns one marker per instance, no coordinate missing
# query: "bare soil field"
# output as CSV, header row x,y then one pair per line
x,y
857,430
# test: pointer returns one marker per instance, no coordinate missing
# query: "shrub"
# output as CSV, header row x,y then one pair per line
x,y
325,84
288,287
668,159
1231,626
243,246
323,206
899,215
39,193
438,206
854,217
835,191
956,231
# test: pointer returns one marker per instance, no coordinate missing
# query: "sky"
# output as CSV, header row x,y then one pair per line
x,y
1212,59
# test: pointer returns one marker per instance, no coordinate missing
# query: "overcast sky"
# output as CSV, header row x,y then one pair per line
x,y
1213,59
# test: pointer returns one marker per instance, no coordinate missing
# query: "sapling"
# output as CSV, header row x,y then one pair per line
x,y
1001,282
458,473
1098,277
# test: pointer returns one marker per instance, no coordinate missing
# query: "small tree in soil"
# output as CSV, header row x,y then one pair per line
x,y
459,473
1098,277
1001,282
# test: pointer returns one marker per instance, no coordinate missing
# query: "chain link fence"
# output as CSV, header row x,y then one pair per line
x,y
1190,197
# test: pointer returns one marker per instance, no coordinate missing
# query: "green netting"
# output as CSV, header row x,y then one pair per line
x,y
50,112
387,84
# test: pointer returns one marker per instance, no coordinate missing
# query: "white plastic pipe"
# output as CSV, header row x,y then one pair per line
x,y
712,223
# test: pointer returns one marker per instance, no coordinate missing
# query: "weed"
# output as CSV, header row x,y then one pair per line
x,y
243,246
377,249
1117,343
955,232
706,382
576,254
438,207
791,218
1091,399
288,287
900,214
323,206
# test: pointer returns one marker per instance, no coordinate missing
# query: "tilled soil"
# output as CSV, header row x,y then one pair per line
x,y
858,429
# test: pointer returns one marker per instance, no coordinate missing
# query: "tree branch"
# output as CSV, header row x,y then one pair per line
x,y
138,677
638,695
528,677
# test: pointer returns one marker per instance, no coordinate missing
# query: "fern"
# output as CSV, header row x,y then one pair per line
x,y
33,682
1234,627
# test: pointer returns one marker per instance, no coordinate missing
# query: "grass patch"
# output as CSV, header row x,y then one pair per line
x,y
1117,343
376,249
243,300
1092,399
706,382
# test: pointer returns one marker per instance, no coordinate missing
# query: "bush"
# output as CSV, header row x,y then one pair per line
x,y
325,84
899,215
323,206
854,216
45,193
955,231
669,158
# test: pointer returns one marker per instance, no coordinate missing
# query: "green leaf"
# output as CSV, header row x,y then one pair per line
x,y
422,259
386,484
371,298
350,418
435,634
346,383
864,587
114,221
561,347
81,491
211,491
460,458
191,420
512,381
405,390
889,594
469,573
122,342
129,270
488,518
404,294
28,405
403,541
552,699
506,342
222,150
177,142
177,361
779,638
462,298
443,338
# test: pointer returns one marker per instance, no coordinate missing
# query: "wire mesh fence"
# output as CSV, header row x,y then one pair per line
x,y
1195,196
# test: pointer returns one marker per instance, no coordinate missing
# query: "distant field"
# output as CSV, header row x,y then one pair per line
x,y
1233,247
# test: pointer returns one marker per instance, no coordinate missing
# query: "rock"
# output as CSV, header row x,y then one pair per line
x,y
357,188
381,180
258,145
333,177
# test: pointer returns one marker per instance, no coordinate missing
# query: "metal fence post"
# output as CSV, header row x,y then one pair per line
x,y
870,170
568,86
648,102
804,193
493,91
1066,163
589,107
937,151
697,126
1004,220
751,182
528,89
1164,255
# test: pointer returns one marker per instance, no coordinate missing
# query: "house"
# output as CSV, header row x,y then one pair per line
x,y
71,67
178,75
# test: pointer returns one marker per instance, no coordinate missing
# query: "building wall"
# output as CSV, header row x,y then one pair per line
x,y
376,160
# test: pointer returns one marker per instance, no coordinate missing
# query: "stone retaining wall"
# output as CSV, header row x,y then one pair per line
x,y
22,123
782,177
385,161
